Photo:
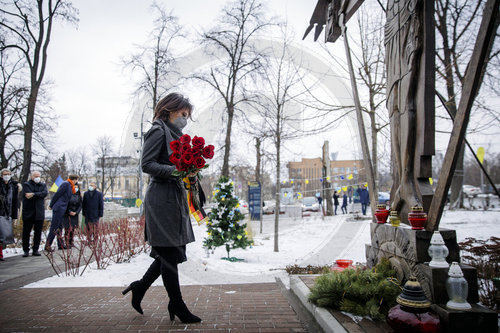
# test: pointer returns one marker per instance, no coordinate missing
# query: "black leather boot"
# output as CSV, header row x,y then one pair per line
x,y
178,308
140,287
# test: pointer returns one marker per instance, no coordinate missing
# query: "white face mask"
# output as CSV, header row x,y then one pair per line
x,y
91,188
6,177
37,179
76,189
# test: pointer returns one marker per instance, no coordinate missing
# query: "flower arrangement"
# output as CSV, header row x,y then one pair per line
x,y
190,156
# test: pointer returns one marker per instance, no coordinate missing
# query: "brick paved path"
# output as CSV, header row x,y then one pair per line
x,y
223,308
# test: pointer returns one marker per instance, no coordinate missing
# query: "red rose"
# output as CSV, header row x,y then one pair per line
x,y
199,162
185,147
175,145
182,166
198,142
185,139
196,152
187,158
208,151
175,158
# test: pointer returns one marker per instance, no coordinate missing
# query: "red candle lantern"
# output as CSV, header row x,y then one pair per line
x,y
417,218
412,314
381,214
341,264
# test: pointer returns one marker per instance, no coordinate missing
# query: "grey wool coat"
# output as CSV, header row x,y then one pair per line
x,y
165,204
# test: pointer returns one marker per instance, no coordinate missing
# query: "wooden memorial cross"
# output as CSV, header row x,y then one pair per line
x,y
410,52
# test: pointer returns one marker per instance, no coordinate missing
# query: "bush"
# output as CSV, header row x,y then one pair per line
x,y
484,255
361,292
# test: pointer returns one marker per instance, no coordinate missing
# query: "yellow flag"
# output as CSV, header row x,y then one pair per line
x,y
344,188
291,181
366,184
138,202
431,181
54,188
299,195
307,181
328,178
480,154
350,176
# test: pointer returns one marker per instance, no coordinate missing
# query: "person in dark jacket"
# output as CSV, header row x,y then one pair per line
x,y
335,201
34,193
168,225
70,222
93,210
8,199
364,198
344,203
59,205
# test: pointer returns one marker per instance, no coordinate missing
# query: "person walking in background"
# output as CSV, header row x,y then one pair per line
x,y
320,202
70,221
364,198
335,201
59,205
168,225
8,199
350,192
344,202
92,210
33,213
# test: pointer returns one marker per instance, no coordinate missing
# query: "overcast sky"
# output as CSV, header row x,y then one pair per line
x,y
91,93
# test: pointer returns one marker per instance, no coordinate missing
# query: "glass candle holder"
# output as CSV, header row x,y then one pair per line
x,y
394,218
457,289
438,251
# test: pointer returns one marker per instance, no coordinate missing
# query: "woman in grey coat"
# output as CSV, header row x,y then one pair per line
x,y
168,225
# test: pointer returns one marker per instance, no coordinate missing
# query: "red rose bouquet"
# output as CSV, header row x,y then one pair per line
x,y
190,156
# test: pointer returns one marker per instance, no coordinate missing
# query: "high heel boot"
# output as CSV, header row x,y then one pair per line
x,y
178,308
140,287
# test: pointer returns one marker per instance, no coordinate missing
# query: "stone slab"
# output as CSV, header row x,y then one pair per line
x,y
478,319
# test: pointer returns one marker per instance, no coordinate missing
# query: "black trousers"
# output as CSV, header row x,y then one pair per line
x,y
27,226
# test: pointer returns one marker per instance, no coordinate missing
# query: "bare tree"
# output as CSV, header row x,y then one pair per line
x,y
231,43
13,96
457,22
27,28
369,63
103,150
155,60
280,108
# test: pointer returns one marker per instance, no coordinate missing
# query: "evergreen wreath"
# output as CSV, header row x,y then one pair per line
x,y
361,292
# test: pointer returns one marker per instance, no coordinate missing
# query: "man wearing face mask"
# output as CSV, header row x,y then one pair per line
x,y
92,209
8,199
59,205
34,193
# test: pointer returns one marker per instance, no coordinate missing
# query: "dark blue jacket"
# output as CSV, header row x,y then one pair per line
x,y
93,206
344,200
60,200
364,196
34,208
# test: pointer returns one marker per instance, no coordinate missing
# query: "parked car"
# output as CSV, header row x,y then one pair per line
x,y
270,206
310,204
384,198
470,190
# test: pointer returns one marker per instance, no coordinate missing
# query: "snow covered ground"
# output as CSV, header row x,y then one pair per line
x,y
305,240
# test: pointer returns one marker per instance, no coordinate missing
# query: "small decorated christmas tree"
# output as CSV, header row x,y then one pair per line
x,y
224,225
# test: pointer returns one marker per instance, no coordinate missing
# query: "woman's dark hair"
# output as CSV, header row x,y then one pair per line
x,y
171,103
